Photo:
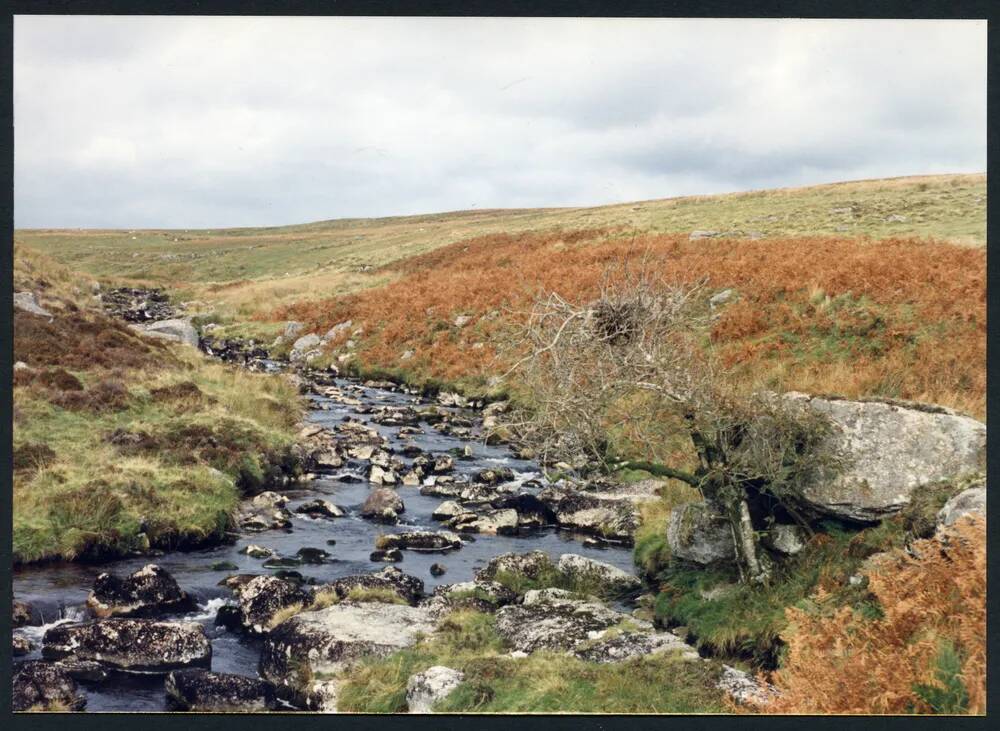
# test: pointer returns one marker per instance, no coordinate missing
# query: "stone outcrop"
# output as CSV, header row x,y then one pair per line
x,y
971,501
200,690
405,586
148,591
558,624
130,645
608,579
26,302
888,450
331,639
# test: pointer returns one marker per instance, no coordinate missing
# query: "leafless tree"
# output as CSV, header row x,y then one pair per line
x,y
638,356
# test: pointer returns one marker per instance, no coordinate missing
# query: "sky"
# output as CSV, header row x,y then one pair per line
x,y
174,122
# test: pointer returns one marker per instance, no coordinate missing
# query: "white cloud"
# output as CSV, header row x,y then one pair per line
x,y
133,121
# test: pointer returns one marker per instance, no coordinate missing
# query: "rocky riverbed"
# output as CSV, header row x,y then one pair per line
x,y
405,499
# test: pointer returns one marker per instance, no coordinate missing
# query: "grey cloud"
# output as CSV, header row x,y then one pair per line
x,y
208,122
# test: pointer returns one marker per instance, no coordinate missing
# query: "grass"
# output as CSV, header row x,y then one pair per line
x,y
124,444
748,621
544,682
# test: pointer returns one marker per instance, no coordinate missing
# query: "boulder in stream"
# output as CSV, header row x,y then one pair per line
x,y
201,690
43,686
382,505
421,540
262,600
130,645
148,591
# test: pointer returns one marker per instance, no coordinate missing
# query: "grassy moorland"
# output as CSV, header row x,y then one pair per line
x,y
241,271
122,443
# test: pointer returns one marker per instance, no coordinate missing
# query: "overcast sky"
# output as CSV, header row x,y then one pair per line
x,y
210,122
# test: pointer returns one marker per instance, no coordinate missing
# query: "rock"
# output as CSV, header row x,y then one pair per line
x,y
200,690
785,538
261,600
292,329
381,476
443,463
896,218
20,645
270,499
744,689
328,460
331,639
391,555
411,479
181,331
130,645
695,235
26,302
971,501
405,586
889,451
322,696
148,591
724,297
336,330
320,508
308,554
493,522
419,540
382,505
610,579
254,551
697,533
42,686
425,689
407,355
304,347
438,569
20,613
627,645
264,512
530,565
224,566
531,512
554,625
494,475
448,509
480,596
554,594
611,518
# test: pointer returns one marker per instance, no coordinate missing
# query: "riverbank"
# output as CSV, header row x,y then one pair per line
x,y
125,443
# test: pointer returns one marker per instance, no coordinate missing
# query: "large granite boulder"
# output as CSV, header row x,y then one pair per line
x,y
888,450
331,639
130,645
43,686
382,505
200,690
696,532
150,590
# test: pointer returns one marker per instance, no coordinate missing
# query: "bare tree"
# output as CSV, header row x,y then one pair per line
x,y
637,357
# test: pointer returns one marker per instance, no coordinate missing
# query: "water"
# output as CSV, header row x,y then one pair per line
x,y
58,591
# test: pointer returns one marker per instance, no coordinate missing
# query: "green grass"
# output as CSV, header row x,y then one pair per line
x,y
179,486
544,682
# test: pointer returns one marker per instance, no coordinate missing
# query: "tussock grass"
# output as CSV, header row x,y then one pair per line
x,y
543,682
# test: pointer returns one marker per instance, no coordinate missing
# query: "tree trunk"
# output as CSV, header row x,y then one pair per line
x,y
754,568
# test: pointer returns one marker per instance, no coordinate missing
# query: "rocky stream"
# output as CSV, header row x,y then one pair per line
x,y
404,496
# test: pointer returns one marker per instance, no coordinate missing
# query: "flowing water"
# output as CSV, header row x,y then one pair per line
x,y
58,591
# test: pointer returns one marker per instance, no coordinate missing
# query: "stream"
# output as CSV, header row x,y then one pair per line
x,y
57,592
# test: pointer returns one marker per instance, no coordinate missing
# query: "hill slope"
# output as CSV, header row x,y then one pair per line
x,y
242,268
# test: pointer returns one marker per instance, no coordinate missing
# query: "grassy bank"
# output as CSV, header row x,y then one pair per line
x,y
123,443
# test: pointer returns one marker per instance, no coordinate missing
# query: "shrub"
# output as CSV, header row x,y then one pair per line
x,y
925,653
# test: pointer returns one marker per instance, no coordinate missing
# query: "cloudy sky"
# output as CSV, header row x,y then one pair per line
x,y
210,122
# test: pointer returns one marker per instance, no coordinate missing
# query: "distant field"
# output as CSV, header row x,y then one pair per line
x,y
245,270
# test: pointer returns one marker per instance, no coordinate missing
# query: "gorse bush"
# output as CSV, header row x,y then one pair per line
x,y
924,652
